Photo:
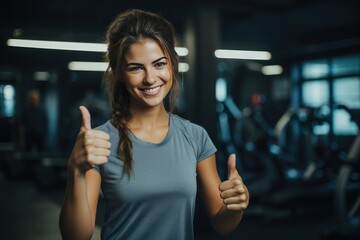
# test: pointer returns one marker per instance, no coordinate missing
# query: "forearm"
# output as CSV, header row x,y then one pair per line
x,y
75,217
225,221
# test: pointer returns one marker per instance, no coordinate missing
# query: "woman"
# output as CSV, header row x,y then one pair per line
x,y
147,162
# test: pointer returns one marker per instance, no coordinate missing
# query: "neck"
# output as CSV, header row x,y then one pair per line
x,y
148,118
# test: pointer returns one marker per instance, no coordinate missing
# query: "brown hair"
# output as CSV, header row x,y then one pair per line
x,y
128,28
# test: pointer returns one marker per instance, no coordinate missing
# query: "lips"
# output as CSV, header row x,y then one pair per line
x,y
151,91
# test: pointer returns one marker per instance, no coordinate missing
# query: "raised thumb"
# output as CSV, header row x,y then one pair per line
x,y
86,118
231,166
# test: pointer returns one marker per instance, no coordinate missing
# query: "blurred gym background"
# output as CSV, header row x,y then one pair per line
x,y
275,81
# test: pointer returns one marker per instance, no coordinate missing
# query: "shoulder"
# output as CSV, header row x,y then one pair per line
x,y
195,135
187,126
103,127
185,123
108,128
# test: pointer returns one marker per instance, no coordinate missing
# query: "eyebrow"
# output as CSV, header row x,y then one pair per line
x,y
140,64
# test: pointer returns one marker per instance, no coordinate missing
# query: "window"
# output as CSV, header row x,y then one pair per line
x,y
343,125
7,100
315,93
333,80
315,69
346,65
347,91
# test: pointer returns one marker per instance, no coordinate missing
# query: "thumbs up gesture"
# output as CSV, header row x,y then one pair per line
x,y
233,191
92,147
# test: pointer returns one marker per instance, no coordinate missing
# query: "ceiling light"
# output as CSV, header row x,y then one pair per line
x,y
182,51
102,66
41,76
242,54
57,45
71,46
88,66
183,67
272,70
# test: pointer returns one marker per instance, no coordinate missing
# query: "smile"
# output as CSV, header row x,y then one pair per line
x,y
151,91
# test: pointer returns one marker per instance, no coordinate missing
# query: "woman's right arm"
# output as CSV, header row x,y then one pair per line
x,y
77,217
78,212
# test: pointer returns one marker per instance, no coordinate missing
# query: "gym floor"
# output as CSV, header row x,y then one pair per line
x,y
31,213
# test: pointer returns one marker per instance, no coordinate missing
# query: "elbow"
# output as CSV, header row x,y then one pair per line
x,y
70,230
221,228
223,231
225,222
73,235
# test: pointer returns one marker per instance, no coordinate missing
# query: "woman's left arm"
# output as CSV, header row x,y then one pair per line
x,y
224,201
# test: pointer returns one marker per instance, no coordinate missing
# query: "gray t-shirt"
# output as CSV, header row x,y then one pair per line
x,y
158,200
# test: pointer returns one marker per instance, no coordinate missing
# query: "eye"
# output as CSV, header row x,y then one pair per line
x,y
134,69
160,64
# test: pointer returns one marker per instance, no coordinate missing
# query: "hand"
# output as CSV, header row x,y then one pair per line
x,y
92,147
233,191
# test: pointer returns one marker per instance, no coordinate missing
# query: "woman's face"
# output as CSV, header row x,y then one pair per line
x,y
147,74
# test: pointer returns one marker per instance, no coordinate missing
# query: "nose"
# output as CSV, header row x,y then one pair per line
x,y
150,77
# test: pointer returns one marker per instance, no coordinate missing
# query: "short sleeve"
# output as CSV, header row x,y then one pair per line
x,y
96,168
205,145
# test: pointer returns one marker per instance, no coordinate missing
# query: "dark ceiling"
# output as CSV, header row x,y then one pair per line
x,y
284,27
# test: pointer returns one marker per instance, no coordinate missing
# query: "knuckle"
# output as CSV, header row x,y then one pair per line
x,y
238,189
89,149
88,141
243,197
222,195
88,133
107,153
89,157
237,182
107,136
102,160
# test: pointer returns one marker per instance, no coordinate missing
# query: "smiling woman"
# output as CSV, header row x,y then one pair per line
x,y
147,74
146,160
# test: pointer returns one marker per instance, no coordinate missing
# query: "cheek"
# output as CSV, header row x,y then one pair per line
x,y
132,79
165,74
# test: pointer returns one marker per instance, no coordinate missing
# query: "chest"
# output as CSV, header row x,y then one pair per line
x,y
160,172
152,135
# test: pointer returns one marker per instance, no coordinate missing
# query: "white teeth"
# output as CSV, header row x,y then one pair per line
x,y
151,90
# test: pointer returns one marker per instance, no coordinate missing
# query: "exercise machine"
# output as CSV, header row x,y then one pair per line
x,y
347,189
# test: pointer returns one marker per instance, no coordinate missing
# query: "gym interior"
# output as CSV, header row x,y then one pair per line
x,y
275,82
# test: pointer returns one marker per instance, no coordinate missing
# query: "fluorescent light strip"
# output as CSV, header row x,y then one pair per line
x,y
272,70
183,67
41,76
242,54
88,66
57,45
182,51
71,46
102,66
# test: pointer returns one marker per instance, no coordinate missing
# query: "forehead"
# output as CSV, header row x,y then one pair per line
x,y
144,50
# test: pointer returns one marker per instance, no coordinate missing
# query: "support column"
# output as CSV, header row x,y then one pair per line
x,y
202,38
